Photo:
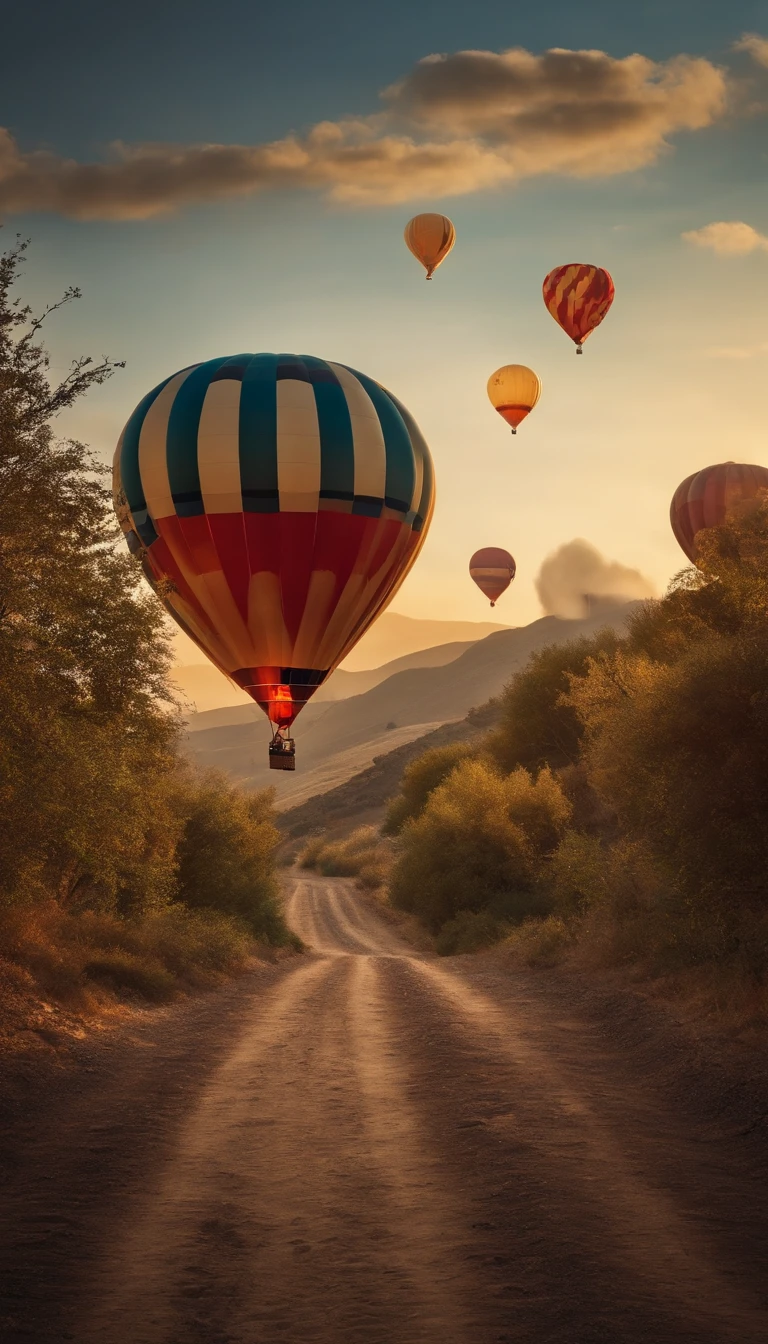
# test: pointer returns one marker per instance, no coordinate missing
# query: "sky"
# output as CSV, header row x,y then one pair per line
x,y
239,179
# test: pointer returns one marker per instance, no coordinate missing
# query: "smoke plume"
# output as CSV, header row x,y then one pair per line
x,y
576,574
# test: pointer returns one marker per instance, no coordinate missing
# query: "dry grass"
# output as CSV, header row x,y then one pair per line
x,y
363,855
85,963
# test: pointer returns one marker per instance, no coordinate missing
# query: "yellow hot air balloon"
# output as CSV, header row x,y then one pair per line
x,y
430,239
514,391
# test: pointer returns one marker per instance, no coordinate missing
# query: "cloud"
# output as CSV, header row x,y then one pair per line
x,y
581,113
729,238
577,572
454,125
755,46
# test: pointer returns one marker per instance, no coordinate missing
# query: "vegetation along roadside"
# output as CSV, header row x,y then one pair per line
x,y
617,813
122,871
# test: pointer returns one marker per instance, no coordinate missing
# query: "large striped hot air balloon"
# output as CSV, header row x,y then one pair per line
x,y
492,570
430,239
706,499
277,503
578,296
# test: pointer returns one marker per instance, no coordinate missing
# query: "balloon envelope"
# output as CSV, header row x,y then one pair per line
x,y
706,499
578,296
492,569
513,391
430,239
277,503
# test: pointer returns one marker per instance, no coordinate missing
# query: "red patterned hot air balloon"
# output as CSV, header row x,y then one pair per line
x,y
706,498
578,297
492,570
277,503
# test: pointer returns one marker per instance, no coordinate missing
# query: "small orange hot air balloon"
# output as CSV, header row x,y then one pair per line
x,y
513,391
492,570
430,239
709,496
578,296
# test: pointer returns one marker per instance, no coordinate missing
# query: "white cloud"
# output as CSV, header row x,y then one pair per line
x,y
729,238
755,46
455,124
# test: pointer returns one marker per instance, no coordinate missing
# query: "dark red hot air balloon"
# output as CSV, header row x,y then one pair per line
x,y
492,570
578,296
706,498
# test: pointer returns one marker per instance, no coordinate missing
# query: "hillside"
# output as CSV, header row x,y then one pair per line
x,y
394,636
363,798
409,703
393,640
342,684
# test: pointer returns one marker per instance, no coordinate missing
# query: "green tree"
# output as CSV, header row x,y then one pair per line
x,y
537,727
478,845
419,780
226,854
87,732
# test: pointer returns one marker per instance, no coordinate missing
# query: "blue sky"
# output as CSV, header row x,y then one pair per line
x,y
672,381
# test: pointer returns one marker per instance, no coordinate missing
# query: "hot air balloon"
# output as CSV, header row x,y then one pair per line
x,y
514,391
277,503
492,570
430,239
578,297
706,498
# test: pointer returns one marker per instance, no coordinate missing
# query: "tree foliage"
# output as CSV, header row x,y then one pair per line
x,y
98,811
478,845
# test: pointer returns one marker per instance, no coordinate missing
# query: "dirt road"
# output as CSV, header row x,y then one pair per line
x,y
368,1145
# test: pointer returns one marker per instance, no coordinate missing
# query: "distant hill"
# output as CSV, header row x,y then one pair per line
x,y
342,684
409,704
207,689
395,636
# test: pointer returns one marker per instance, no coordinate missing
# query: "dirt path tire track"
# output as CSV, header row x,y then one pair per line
x,y
369,1145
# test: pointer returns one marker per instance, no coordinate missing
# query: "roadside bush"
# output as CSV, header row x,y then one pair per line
x,y
537,727
420,779
153,957
469,932
226,854
478,845
362,854
681,752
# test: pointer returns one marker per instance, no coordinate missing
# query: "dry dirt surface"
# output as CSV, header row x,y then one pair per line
x,y
366,1144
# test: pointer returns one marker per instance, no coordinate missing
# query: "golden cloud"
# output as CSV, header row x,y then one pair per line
x,y
755,46
454,125
729,238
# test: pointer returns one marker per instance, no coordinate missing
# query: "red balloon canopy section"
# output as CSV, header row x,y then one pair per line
x,y
706,499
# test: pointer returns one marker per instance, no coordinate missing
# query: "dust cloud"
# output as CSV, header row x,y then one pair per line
x,y
576,573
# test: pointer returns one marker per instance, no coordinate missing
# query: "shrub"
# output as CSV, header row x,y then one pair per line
x,y
469,932
226,854
537,727
681,752
477,846
362,855
419,780
121,971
